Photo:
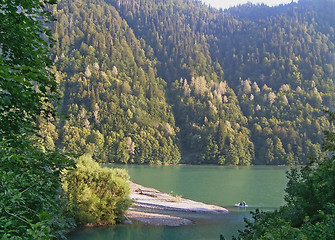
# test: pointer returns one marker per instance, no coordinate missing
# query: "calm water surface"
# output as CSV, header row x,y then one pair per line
x,y
260,186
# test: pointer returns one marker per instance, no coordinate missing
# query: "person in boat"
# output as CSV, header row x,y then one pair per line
x,y
241,204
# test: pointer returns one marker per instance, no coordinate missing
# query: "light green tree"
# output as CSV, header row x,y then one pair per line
x,y
97,195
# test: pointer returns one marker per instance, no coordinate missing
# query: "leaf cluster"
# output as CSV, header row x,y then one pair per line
x,y
30,196
27,88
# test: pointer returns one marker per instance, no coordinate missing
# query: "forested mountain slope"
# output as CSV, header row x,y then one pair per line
x,y
144,81
115,101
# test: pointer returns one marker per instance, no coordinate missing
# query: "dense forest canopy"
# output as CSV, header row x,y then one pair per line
x,y
150,81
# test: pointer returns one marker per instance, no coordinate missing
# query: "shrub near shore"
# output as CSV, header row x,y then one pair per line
x,y
97,195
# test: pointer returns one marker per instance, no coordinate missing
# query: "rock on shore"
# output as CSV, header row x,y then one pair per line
x,y
152,199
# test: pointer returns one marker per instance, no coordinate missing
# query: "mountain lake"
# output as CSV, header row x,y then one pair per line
x,y
261,187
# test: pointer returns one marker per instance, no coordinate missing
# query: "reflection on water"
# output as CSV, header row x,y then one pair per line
x,y
206,227
260,186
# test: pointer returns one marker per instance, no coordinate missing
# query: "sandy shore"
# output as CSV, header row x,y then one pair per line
x,y
149,199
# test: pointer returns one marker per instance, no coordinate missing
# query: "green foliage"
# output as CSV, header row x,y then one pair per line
x,y
26,86
30,196
30,189
96,195
310,202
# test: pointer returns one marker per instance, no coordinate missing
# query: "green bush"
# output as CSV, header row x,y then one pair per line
x,y
97,195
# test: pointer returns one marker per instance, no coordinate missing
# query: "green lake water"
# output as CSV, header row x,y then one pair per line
x,y
261,187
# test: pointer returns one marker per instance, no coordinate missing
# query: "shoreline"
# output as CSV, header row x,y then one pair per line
x,y
146,200
190,164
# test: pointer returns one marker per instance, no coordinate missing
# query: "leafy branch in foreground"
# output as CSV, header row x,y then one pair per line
x,y
30,189
26,85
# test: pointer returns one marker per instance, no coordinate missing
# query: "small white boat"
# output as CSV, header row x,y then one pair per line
x,y
241,204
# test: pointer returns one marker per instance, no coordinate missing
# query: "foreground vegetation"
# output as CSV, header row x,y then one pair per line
x,y
33,204
96,195
30,202
309,212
